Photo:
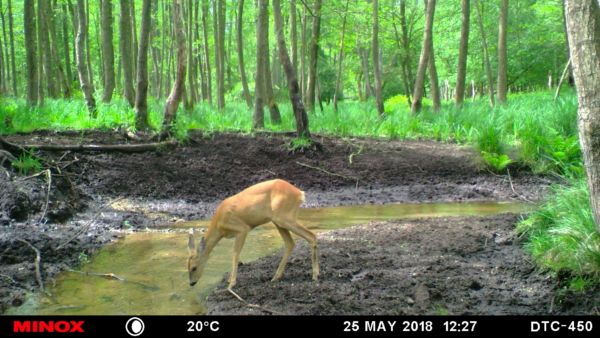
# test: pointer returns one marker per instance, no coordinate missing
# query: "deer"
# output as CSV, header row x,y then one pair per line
x,y
275,201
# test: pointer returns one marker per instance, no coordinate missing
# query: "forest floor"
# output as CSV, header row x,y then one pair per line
x,y
442,265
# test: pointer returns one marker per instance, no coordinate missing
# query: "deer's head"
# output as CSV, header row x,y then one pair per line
x,y
196,261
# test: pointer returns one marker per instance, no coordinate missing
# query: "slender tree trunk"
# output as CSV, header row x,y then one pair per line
x,y
66,38
424,58
338,78
42,50
240,50
294,35
364,57
31,51
4,58
55,59
376,60
206,51
108,54
502,87
314,53
433,78
583,28
154,85
81,58
258,121
294,89
486,57
406,38
463,53
221,46
12,49
141,98
303,54
88,49
192,85
125,46
134,39
269,96
178,89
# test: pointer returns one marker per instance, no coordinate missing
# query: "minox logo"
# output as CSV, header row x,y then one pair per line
x,y
60,326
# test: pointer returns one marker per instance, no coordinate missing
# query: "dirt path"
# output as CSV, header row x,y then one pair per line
x,y
159,187
436,266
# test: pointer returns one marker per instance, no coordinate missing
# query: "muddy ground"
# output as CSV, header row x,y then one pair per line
x,y
186,182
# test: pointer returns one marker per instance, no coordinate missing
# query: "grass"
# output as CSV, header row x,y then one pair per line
x,y
562,235
530,130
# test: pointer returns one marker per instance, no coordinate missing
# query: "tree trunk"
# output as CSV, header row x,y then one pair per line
x,y
363,53
55,59
269,96
66,38
88,49
502,88
294,35
220,48
338,78
12,49
141,98
206,51
313,56
240,51
108,54
486,57
583,28
433,78
376,60
303,54
192,85
43,71
262,49
424,58
4,58
461,74
179,85
125,47
82,70
295,97
31,51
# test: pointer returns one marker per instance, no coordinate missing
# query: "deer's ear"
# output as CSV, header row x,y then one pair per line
x,y
191,242
202,244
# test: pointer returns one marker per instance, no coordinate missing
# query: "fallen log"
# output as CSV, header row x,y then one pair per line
x,y
125,148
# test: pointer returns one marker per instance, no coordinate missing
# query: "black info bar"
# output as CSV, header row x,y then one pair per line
x,y
332,326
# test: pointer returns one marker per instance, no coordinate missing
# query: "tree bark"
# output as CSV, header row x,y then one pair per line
x,y
363,53
303,54
82,70
502,54
583,28
313,56
240,51
88,49
192,85
108,54
179,85
433,78
55,59
31,51
300,115
66,38
424,58
220,9
294,35
12,49
461,74
486,57
258,121
125,47
4,58
338,78
141,97
269,96
206,51
376,60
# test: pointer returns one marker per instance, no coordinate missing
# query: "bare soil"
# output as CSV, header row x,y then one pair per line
x,y
187,182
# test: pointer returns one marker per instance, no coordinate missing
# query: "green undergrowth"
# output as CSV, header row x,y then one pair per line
x,y
562,236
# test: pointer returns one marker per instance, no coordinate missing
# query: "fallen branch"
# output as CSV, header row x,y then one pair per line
x,y
327,172
513,188
125,148
37,262
254,306
112,276
49,178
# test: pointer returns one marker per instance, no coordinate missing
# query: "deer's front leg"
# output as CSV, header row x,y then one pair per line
x,y
241,231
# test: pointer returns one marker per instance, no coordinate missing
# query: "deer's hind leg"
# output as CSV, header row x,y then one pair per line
x,y
289,246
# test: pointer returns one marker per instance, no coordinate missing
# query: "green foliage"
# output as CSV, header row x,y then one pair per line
x,y
495,161
27,164
299,143
562,235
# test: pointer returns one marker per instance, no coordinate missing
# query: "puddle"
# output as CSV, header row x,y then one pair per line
x,y
153,264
